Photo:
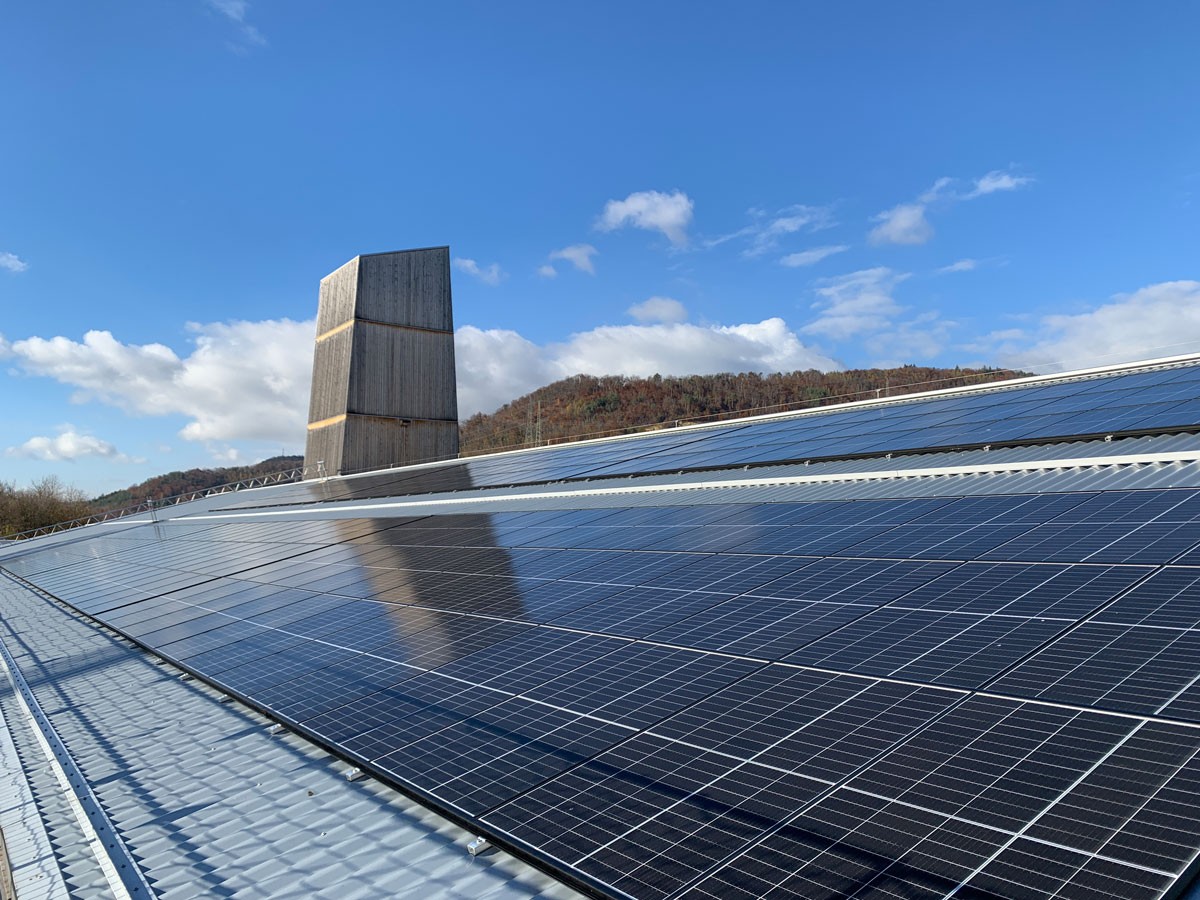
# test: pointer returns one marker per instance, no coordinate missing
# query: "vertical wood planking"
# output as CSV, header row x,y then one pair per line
x,y
383,388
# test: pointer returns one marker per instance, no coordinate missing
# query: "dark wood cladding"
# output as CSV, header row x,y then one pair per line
x,y
358,443
383,389
335,305
410,288
419,383
331,376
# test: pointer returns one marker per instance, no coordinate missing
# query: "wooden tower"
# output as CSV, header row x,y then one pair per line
x,y
383,389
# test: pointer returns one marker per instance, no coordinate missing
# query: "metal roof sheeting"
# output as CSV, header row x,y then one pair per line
x,y
211,805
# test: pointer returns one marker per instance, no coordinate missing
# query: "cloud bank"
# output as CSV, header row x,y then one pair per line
x,y
496,366
242,380
1158,320
250,381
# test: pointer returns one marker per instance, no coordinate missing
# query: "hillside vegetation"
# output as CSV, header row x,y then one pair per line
x,y
174,483
44,503
589,406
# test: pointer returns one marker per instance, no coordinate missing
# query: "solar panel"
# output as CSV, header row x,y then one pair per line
x,y
964,694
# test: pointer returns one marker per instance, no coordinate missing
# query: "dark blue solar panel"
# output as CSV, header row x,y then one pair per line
x,y
979,695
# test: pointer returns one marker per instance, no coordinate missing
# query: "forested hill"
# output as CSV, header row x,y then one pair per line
x,y
174,483
585,405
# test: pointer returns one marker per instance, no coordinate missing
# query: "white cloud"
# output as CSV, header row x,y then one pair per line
x,y
490,275
547,271
224,454
903,224
670,214
235,11
497,366
232,9
811,256
766,229
963,265
12,262
921,337
860,306
1159,320
578,255
856,303
67,446
938,190
242,380
658,309
997,180
906,223
765,234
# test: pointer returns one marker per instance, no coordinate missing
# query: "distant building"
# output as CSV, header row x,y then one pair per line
x,y
383,388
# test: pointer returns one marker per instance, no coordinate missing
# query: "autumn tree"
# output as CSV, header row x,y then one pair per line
x,y
45,502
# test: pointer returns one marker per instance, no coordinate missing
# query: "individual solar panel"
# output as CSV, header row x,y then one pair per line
x,y
1051,591
531,658
955,649
817,724
639,684
1144,544
862,581
638,612
500,752
760,627
649,815
1131,669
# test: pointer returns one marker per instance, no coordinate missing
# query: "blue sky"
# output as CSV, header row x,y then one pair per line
x,y
626,187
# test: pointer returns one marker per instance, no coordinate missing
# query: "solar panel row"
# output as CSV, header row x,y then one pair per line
x,y
1104,404
726,700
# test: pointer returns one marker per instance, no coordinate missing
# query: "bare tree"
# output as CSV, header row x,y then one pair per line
x,y
45,502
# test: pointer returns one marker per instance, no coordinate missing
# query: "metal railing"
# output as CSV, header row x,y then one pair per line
x,y
282,477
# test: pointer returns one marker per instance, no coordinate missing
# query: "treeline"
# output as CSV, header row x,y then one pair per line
x,y
586,405
173,484
50,502
46,502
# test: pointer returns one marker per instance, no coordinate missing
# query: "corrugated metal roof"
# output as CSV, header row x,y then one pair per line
x,y
1095,475
37,870
210,804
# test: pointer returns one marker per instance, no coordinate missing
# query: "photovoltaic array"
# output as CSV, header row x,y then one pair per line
x,y
964,693
1098,405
